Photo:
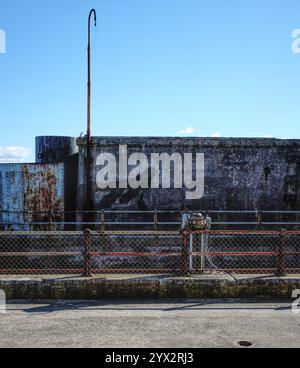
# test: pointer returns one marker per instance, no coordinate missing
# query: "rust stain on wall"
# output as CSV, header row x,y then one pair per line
x,y
43,193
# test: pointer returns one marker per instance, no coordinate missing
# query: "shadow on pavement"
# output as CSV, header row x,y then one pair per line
x,y
55,306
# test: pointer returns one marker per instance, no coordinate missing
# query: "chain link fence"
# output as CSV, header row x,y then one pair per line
x,y
139,252
41,252
150,252
252,252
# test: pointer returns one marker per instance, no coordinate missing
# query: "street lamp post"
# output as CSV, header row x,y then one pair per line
x,y
92,13
89,205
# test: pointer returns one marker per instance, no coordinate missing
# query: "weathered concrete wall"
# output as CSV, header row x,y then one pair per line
x,y
30,188
240,174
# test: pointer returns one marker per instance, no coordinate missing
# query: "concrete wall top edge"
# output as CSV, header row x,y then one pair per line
x,y
55,136
19,166
191,141
29,164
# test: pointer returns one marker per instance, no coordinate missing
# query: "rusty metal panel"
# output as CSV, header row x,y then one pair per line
x,y
11,197
29,188
43,192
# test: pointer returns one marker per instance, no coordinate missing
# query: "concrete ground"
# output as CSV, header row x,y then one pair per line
x,y
182,324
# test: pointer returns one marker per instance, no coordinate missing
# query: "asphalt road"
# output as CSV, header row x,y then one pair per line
x,y
154,325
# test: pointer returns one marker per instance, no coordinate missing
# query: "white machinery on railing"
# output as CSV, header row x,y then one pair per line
x,y
197,222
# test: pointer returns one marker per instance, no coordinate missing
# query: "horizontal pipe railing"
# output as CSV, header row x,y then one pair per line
x,y
149,223
151,212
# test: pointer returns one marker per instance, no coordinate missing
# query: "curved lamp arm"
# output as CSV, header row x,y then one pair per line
x,y
89,135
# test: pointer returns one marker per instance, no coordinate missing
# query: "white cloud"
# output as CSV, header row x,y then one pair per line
x,y
216,135
2,42
269,136
187,131
13,154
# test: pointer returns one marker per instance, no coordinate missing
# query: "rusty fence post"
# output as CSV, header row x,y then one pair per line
x,y
155,220
50,221
282,253
185,252
87,241
102,221
260,219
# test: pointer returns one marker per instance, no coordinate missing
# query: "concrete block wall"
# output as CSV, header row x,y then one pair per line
x,y
240,174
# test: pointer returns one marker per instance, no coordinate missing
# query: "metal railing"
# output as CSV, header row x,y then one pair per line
x,y
144,220
150,252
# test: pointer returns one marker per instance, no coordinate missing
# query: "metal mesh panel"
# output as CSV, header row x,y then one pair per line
x,y
41,252
149,252
142,252
292,247
245,252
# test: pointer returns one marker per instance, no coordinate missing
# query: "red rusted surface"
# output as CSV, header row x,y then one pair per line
x,y
134,254
43,193
237,254
40,271
240,232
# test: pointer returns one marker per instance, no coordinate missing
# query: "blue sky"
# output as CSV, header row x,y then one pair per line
x,y
160,67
